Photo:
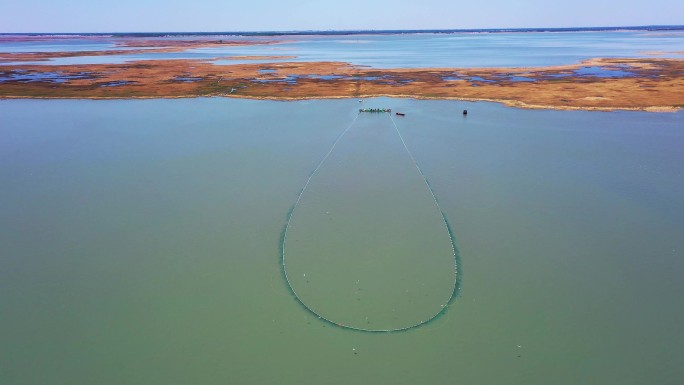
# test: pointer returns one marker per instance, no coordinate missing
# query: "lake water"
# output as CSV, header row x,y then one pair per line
x,y
366,245
460,50
140,244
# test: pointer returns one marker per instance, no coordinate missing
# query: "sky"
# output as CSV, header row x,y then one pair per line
x,y
288,15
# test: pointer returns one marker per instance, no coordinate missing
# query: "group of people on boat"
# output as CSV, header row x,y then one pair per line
x,y
374,110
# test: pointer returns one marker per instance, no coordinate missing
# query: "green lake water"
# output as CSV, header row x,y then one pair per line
x,y
367,246
140,243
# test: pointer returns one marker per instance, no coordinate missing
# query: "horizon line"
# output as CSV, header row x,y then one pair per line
x,y
662,27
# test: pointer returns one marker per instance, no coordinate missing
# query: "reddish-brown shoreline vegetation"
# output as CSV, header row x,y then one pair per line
x,y
652,84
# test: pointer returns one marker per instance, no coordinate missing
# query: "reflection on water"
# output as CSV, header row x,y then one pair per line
x,y
602,72
30,76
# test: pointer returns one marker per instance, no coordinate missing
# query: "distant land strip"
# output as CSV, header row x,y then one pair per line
x,y
654,28
127,47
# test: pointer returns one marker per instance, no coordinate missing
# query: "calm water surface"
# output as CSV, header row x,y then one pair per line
x,y
406,50
366,245
139,243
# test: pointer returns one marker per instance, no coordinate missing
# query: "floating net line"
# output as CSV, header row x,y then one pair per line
x,y
457,260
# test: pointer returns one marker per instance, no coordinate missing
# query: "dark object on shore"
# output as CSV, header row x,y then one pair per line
x,y
401,114
465,112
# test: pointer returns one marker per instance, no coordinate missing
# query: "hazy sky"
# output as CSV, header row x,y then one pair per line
x,y
279,15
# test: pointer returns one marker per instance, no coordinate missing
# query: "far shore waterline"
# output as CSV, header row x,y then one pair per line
x,y
507,103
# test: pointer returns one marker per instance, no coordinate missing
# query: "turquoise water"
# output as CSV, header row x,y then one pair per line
x,y
140,243
413,50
